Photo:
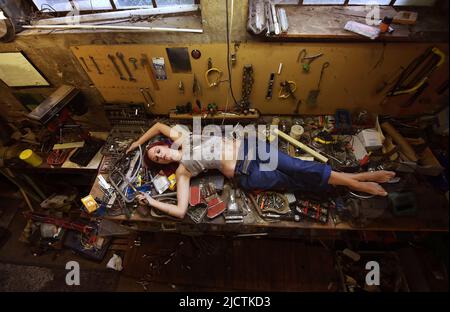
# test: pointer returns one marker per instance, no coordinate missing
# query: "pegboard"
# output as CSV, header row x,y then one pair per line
x,y
355,72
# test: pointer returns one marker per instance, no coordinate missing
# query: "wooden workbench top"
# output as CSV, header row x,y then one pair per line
x,y
67,166
327,22
432,217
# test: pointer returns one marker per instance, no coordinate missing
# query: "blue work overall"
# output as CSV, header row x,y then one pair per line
x,y
291,174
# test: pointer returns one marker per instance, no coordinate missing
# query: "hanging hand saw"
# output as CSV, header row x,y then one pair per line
x,y
415,77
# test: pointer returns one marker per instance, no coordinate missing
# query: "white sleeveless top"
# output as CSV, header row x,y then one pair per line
x,y
202,154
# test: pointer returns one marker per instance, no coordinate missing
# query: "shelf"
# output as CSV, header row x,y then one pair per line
x,y
218,115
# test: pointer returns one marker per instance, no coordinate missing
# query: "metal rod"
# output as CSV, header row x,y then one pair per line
x,y
301,145
27,200
35,187
171,194
8,174
112,27
327,155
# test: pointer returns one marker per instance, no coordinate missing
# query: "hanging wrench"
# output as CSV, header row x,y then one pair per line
x,y
147,96
124,64
133,61
96,65
113,61
84,63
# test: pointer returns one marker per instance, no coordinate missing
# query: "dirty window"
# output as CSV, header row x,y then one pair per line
x,y
66,5
99,5
324,2
134,4
173,2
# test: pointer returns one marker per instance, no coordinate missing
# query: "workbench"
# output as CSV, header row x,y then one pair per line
x,y
67,166
432,217
36,180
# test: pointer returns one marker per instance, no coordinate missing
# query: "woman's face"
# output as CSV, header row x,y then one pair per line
x,y
161,154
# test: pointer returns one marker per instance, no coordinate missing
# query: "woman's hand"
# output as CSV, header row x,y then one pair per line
x,y
133,146
144,198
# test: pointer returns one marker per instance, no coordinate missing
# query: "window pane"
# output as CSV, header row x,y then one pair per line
x,y
415,2
65,6
161,3
94,4
133,4
363,2
323,1
53,5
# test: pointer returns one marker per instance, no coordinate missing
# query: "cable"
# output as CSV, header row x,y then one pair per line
x,y
228,54
129,180
381,58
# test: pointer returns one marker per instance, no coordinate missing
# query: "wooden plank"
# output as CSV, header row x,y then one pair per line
x,y
68,145
115,27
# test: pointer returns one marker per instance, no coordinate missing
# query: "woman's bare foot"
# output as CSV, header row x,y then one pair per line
x,y
370,188
381,176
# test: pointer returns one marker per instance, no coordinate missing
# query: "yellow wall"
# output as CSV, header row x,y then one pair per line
x,y
355,71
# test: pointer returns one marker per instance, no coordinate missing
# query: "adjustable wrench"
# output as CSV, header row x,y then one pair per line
x,y
113,61
124,64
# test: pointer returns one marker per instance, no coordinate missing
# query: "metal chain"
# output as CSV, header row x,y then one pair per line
x,y
247,84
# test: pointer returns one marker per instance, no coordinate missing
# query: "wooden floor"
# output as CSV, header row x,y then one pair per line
x,y
217,263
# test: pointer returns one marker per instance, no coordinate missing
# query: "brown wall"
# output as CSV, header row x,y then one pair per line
x,y
349,82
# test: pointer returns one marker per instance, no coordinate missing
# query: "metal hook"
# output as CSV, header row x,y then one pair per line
x,y
301,55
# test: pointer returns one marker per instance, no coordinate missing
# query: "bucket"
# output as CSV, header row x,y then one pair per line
x,y
31,158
